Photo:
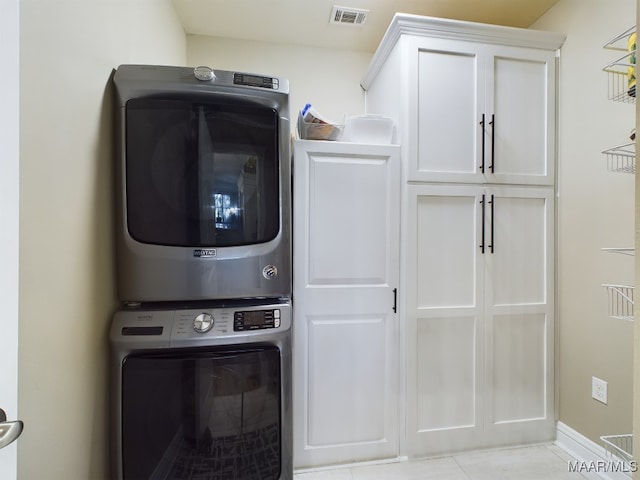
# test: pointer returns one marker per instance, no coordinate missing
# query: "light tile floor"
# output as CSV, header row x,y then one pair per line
x,y
538,462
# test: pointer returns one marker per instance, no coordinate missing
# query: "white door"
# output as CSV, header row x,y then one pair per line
x,y
445,326
446,92
9,116
479,266
480,113
346,258
519,314
520,114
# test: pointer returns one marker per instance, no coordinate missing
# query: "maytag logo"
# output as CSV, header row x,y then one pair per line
x,y
204,252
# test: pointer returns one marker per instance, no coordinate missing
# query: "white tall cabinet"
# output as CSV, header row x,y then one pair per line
x,y
346,276
475,107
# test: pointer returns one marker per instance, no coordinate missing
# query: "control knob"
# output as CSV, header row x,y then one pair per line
x,y
203,323
204,73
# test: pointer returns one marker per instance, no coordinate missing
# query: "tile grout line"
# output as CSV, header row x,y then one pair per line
x,y
455,459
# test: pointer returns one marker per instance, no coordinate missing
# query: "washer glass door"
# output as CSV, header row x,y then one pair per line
x,y
203,415
202,174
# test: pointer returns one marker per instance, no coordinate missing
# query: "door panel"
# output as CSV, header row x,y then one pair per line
x,y
348,225
346,246
446,373
448,90
479,320
519,269
347,397
519,367
446,249
519,314
520,230
444,322
186,414
522,106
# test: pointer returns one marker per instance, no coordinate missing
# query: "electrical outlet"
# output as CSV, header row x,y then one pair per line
x,y
599,390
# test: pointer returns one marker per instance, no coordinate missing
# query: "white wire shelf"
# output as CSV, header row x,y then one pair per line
x,y
621,158
620,299
621,250
620,41
618,73
619,446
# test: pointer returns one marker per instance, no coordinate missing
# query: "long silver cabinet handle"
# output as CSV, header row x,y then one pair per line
x,y
9,431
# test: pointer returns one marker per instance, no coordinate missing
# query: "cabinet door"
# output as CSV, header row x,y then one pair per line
x,y
480,113
479,305
346,257
520,115
445,106
444,285
519,310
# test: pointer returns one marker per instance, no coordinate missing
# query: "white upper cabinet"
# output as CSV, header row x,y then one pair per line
x,y
520,115
473,103
446,82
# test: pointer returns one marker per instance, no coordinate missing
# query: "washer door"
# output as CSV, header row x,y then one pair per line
x,y
201,174
203,415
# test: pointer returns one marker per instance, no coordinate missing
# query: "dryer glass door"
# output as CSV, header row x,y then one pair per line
x,y
206,415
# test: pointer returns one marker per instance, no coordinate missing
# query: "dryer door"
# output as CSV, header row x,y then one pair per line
x,y
204,414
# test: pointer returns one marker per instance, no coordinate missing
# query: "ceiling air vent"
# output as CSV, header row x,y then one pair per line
x,y
348,15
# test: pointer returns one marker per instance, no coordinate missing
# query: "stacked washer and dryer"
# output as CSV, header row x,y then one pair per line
x,y
201,349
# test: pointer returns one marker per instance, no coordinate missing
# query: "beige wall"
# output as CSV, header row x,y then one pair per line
x,y
68,51
596,210
328,79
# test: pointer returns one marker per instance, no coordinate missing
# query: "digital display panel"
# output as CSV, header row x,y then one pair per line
x,y
255,81
253,319
256,319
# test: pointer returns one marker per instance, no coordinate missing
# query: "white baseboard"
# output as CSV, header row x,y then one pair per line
x,y
588,454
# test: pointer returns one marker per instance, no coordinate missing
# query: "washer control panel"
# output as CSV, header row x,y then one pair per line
x,y
214,324
256,319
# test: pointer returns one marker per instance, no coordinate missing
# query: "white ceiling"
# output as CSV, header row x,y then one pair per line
x,y
306,22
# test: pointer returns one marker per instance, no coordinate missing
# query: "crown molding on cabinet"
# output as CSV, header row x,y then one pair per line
x,y
416,25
